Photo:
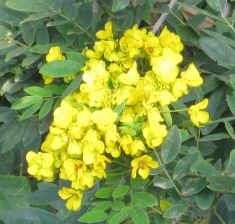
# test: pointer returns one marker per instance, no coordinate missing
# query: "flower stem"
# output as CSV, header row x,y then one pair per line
x,y
77,25
167,174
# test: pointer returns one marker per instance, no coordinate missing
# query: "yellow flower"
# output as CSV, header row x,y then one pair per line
x,y
47,79
99,166
165,66
191,76
72,169
41,165
74,148
132,41
131,77
154,134
63,115
196,114
165,97
171,40
151,45
179,88
73,197
107,33
54,53
142,165
84,118
104,118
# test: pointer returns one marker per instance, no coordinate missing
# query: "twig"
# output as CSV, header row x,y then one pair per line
x,y
163,17
167,174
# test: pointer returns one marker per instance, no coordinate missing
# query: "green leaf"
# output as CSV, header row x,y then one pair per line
x,y
104,192
175,211
6,162
230,130
222,183
204,167
6,44
44,196
15,189
231,103
60,68
143,199
230,168
162,182
166,115
214,137
31,132
37,6
103,206
76,56
70,9
16,52
30,59
183,165
118,205
232,79
42,36
46,108
216,107
187,34
38,91
3,32
74,85
138,215
29,215
31,110
85,14
205,199
7,113
56,89
217,5
120,191
10,17
219,36
171,145
38,16
120,216
193,186
218,51
119,5
93,216
12,138
28,33
25,101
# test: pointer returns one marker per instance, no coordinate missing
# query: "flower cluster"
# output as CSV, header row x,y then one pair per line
x,y
116,111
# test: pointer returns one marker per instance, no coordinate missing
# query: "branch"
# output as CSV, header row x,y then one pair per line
x,y
163,17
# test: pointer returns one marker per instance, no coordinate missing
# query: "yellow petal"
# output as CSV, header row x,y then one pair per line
x,y
144,172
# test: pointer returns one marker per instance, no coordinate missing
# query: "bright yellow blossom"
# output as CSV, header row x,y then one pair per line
x,y
192,76
197,115
142,165
179,88
154,134
131,77
64,115
165,66
104,118
107,33
73,197
116,110
41,165
171,40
